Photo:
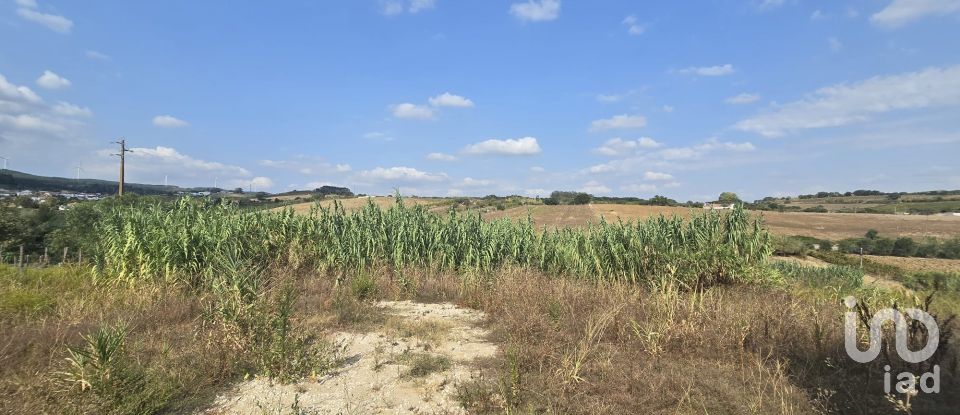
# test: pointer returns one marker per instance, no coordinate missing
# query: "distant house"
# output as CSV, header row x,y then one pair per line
x,y
717,206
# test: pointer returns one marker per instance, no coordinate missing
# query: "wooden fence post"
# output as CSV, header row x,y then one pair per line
x,y
46,259
20,264
63,259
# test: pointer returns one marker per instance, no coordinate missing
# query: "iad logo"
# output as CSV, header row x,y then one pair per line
x,y
907,381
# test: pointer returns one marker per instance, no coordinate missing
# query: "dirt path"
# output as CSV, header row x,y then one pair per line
x,y
409,365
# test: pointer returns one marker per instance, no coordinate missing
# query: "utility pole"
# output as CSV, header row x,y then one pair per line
x,y
123,157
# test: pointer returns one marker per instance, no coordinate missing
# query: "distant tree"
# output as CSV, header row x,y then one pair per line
x,y
550,201
728,198
582,199
238,190
871,234
662,201
904,247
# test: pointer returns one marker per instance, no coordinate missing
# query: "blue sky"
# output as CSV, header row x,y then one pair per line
x,y
444,97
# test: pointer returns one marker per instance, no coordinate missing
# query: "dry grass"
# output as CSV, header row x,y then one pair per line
x,y
918,264
354,203
833,226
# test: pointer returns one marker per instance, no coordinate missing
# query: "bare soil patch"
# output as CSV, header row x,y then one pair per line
x,y
919,264
411,364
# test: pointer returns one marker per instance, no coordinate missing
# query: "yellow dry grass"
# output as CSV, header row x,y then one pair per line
x,y
832,226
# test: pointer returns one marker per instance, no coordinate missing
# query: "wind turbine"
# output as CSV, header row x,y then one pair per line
x,y
79,169
4,162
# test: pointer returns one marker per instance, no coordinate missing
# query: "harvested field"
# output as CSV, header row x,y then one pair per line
x,y
832,226
919,264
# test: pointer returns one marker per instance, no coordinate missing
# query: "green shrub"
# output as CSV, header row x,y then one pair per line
x,y
831,276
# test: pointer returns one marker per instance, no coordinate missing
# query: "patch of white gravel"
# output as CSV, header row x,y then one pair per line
x,y
375,378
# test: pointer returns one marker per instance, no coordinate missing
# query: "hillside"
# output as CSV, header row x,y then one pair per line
x,y
15,180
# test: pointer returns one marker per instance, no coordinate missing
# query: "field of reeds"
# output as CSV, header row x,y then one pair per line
x,y
178,301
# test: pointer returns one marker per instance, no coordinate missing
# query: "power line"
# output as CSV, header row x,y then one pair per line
x,y
123,157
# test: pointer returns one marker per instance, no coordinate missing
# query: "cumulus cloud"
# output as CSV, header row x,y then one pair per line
x,y
620,147
633,27
718,70
657,176
536,10
623,121
410,111
441,157
510,147
17,93
835,44
53,22
169,121
30,123
471,182
902,12
594,187
447,99
537,169
639,187
50,80
536,192
402,174
845,104
743,98
70,110
172,158
306,165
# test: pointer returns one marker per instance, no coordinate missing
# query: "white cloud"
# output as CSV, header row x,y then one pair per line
x,y
845,104
393,7
168,121
53,22
639,187
699,150
633,27
817,15
70,110
471,182
510,147
30,4
537,169
17,93
307,165
447,99
765,5
92,54
30,122
718,70
441,157
601,168
901,12
407,110
536,10
743,98
668,108
657,176
622,121
594,187
834,43
402,174
620,147
167,159
50,80
418,5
